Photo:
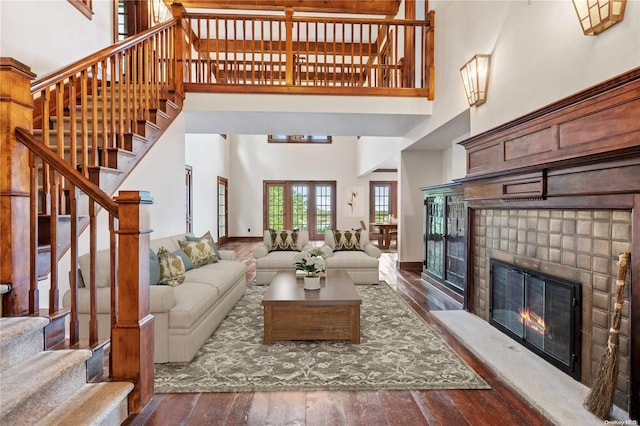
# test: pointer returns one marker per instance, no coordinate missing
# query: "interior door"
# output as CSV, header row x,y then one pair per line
x,y
223,213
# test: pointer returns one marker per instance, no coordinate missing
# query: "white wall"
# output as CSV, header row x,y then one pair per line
x,y
29,28
161,172
454,161
417,169
254,160
374,152
208,155
539,55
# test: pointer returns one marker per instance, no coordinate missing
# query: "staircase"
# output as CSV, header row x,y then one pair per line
x,y
78,134
139,137
50,387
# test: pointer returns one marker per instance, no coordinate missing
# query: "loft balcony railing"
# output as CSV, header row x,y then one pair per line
x,y
303,54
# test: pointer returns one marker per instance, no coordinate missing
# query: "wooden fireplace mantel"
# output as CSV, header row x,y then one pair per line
x,y
600,122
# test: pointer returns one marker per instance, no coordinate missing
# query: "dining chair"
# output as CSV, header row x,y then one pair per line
x,y
373,233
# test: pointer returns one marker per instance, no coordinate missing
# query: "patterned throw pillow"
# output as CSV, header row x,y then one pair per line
x,y
284,240
207,235
200,252
347,240
171,268
185,259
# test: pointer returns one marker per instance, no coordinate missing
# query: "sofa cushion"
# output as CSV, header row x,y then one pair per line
x,y
351,260
200,252
347,240
221,275
277,260
192,300
172,270
103,268
170,243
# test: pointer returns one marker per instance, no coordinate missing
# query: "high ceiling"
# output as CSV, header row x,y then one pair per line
x,y
367,7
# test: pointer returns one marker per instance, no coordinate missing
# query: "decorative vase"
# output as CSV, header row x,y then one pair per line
x,y
311,283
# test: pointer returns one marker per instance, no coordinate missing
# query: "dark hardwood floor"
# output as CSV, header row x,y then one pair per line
x,y
499,405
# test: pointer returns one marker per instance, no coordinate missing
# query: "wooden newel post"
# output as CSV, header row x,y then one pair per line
x,y
16,110
132,334
178,11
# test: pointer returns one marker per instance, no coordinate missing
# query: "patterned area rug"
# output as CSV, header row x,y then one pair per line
x,y
398,351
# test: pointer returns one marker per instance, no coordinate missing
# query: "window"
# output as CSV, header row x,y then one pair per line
x,y
383,200
299,139
223,214
121,28
300,205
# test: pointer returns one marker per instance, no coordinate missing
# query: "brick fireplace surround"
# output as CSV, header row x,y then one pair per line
x,y
577,245
558,191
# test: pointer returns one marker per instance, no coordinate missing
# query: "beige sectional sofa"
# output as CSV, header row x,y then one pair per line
x,y
185,315
361,262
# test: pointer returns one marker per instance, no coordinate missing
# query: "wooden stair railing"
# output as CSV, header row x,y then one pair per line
x,y
131,321
93,120
99,115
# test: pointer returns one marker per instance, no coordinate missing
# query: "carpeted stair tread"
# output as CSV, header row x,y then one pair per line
x,y
47,378
20,339
93,404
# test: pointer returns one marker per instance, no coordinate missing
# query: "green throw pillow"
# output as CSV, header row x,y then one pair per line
x,y
171,268
188,264
207,235
154,268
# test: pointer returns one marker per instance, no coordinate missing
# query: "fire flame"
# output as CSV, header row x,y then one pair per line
x,y
533,321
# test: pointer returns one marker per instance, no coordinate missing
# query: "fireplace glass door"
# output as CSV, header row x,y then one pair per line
x,y
540,311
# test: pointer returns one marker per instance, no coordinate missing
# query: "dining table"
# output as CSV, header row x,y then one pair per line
x,y
386,229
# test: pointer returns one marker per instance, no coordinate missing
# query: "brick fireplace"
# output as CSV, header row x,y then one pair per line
x,y
557,192
577,245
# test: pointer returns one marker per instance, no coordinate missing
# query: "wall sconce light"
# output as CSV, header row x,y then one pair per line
x,y
475,76
597,15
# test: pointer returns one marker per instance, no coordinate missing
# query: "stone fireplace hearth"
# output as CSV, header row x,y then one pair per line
x,y
579,246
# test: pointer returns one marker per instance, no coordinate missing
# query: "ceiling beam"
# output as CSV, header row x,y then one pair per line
x,y
365,7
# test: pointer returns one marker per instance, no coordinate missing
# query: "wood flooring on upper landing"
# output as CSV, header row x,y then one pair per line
x,y
499,405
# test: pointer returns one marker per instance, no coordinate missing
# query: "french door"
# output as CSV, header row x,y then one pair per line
x,y
383,200
223,212
307,205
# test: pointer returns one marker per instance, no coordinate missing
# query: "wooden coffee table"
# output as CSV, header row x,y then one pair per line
x,y
293,313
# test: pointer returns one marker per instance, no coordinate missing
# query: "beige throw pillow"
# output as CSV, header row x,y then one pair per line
x,y
200,252
171,268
